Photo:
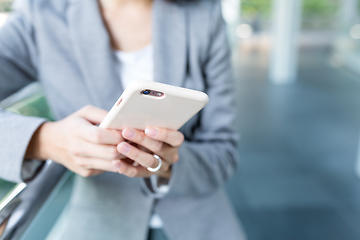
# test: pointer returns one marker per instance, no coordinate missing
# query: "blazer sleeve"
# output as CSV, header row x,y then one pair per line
x,y
17,69
210,158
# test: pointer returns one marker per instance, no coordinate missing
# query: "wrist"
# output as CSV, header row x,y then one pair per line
x,y
38,146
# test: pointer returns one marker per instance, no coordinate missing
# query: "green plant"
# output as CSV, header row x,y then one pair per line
x,y
321,8
251,8
318,8
5,6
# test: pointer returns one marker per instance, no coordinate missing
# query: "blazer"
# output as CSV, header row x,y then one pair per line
x,y
64,45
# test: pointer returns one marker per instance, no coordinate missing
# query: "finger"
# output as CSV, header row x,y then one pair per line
x,y
3,226
96,172
147,144
133,171
93,114
94,134
172,137
142,140
136,170
89,172
107,152
143,158
97,164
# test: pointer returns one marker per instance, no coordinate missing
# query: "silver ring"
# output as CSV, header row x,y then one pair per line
x,y
158,166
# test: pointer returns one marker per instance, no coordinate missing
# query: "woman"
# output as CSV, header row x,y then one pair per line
x,y
85,53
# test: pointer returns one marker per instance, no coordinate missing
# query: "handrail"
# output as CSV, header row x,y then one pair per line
x,y
32,198
10,202
26,92
30,90
24,201
12,195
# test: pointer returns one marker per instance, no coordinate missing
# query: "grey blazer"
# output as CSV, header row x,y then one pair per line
x,y
64,45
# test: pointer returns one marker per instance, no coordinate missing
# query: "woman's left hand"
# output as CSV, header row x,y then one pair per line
x,y
160,141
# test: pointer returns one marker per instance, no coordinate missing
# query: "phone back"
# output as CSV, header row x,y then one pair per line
x,y
136,108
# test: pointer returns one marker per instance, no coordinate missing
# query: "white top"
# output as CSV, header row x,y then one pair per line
x,y
136,65
139,65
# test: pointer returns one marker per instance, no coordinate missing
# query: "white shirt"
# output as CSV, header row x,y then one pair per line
x,y
136,65
139,65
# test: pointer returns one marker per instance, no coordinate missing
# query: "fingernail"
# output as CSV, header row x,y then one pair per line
x,y
151,132
129,133
116,163
124,148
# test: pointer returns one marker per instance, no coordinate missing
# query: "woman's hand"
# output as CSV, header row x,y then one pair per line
x,y
79,145
2,227
162,142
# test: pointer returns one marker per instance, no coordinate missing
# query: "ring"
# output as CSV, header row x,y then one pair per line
x,y
158,166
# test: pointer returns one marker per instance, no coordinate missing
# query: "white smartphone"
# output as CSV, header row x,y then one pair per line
x,y
151,104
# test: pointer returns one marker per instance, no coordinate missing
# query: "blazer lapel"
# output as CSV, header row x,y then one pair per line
x,y
93,50
169,41
98,63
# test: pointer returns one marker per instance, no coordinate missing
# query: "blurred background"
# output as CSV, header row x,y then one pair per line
x,y
297,68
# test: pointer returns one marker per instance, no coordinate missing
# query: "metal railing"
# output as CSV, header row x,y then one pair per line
x,y
31,199
22,204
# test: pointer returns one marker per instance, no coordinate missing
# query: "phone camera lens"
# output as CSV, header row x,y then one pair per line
x,y
146,92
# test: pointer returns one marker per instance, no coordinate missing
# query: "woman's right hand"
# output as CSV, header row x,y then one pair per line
x,y
78,144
